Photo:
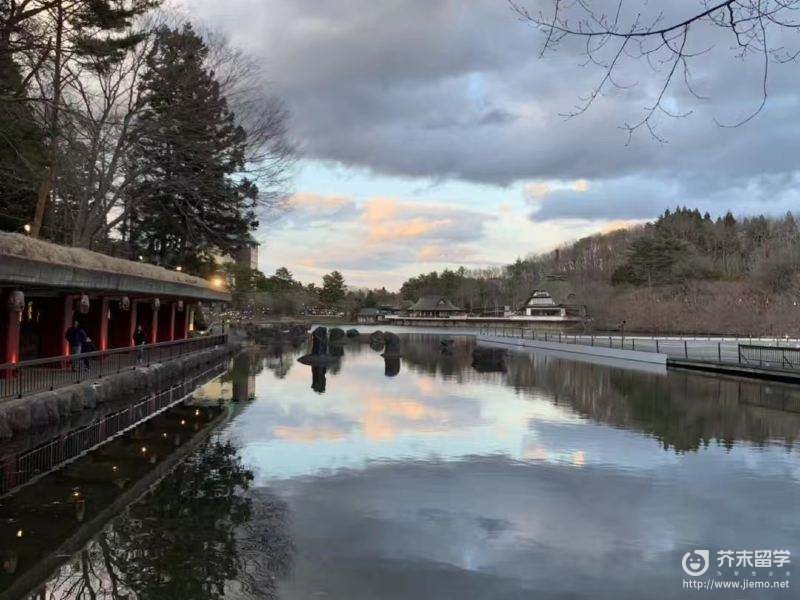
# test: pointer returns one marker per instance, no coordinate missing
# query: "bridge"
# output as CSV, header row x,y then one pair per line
x,y
44,287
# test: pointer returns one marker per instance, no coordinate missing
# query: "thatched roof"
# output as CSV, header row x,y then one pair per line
x,y
540,298
437,303
24,260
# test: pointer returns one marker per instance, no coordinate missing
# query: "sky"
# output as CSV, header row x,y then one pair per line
x,y
432,134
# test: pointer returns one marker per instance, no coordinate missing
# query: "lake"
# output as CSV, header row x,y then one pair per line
x,y
424,477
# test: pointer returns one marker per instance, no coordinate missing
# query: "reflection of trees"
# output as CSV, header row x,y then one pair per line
x,y
196,535
682,410
424,354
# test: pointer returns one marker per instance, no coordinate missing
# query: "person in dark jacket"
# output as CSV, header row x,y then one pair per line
x,y
75,337
139,339
88,346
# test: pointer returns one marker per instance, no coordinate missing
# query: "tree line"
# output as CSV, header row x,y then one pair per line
x,y
128,130
684,271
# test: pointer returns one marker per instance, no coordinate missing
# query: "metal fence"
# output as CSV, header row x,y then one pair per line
x,y
767,353
24,468
40,375
769,356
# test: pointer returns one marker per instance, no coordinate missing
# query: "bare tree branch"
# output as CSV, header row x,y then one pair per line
x,y
625,33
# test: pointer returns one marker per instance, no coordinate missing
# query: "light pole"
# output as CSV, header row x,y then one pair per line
x,y
622,329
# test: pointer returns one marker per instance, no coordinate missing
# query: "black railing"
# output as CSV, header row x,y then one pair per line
x,y
43,374
26,467
769,356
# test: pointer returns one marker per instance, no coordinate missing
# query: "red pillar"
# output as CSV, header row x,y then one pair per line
x,y
172,309
13,319
66,322
132,328
102,343
187,315
153,324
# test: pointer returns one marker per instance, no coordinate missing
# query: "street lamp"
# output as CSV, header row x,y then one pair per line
x,y
622,329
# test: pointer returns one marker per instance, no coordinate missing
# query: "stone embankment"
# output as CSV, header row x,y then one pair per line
x,y
22,415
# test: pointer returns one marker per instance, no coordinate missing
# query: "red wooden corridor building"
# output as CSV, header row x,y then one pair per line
x,y
44,287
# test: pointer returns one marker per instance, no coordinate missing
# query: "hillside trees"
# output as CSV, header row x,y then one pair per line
x,y
685,271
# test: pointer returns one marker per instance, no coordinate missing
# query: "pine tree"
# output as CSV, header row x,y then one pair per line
x,y
333,288
187,204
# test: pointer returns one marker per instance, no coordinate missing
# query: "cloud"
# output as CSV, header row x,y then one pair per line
x,y
537,190
636,199
308,208
389,220
581,185
383,233
429,93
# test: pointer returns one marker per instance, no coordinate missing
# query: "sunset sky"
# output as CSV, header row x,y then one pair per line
x,y
431,136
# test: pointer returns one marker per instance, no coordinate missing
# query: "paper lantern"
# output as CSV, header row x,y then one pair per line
x,y
83,304
156,304
125,303
180,305
16,301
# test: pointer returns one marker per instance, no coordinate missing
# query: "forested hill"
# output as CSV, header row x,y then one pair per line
x,y
683,272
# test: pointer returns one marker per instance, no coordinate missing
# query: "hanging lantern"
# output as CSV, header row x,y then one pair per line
x,y
125,303
83,305
156,304
180,305
16,301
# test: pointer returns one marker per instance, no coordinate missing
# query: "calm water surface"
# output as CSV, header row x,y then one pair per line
x,y
425,478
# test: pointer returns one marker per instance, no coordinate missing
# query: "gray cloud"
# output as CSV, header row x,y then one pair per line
x,y
452,89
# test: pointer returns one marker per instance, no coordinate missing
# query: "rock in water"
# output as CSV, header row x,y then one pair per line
x,y
376,337
336,335
352,333
391,343
319,341
489,360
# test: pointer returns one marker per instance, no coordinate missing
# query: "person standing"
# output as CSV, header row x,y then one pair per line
x,y
76,338
139,340
88,346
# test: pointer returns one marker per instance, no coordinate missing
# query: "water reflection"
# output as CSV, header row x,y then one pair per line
x,y
548,479
422,477
318,380
682,410
391,366
197,534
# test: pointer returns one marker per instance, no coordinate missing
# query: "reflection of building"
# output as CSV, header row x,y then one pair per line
x,y
434,306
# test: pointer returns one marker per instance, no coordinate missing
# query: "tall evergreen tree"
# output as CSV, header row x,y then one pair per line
x,y
21,150
188,203
333,288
